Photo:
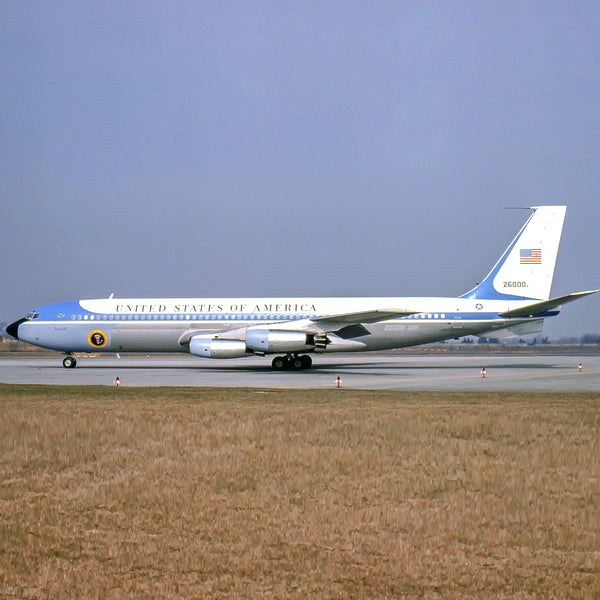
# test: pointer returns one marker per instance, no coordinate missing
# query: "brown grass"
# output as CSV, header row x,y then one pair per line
x,y
216,493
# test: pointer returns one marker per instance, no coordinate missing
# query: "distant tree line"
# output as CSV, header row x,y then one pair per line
x,y
587,338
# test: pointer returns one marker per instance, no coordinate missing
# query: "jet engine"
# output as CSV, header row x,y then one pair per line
x,y
268,340
215,348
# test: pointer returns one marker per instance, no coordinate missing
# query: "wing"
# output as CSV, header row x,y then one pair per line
x,y
346,325
368,316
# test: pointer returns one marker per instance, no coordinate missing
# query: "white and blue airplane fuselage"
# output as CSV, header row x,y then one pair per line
x,y
514,299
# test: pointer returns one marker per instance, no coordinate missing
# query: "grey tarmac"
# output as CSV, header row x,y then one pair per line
x,y
528,373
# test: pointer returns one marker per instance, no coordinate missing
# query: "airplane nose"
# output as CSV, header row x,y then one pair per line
x,y
13,328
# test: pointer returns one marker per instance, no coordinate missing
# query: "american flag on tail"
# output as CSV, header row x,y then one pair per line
x,y
531,256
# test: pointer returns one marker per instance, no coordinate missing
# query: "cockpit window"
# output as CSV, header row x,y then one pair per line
x,y
32,315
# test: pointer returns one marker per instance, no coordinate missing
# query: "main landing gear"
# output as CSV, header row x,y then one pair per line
x,y
292,361
69,362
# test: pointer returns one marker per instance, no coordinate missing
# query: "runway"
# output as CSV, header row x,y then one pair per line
x,y
523,373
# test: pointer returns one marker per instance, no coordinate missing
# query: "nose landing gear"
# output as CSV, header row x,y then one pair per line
x,y
69,362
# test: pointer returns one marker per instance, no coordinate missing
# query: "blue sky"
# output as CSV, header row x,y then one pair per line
x,y
293,148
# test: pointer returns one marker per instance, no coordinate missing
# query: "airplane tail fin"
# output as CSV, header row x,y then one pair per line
x,y
526,269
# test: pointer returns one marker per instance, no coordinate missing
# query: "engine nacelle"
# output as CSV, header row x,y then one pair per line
x,y
267,340
214,348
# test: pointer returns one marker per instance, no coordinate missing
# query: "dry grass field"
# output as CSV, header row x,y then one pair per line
x,y
222,493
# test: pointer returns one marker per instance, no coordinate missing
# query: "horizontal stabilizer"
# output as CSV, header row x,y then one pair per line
x,y
538,308
368,316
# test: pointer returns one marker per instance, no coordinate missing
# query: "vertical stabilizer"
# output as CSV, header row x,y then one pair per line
x,y
526,269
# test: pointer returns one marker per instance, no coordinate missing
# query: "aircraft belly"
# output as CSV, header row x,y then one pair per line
x,y
101,336
146,339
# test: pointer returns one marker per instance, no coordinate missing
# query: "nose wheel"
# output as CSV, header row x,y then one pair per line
x,y
69,362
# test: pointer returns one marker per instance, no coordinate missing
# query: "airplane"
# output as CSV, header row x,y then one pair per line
x,y
512,300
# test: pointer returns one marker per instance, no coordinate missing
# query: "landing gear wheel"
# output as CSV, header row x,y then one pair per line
x,y
69,362
297,363
279,363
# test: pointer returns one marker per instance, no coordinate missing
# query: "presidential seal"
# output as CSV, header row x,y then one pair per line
x,y
97,338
